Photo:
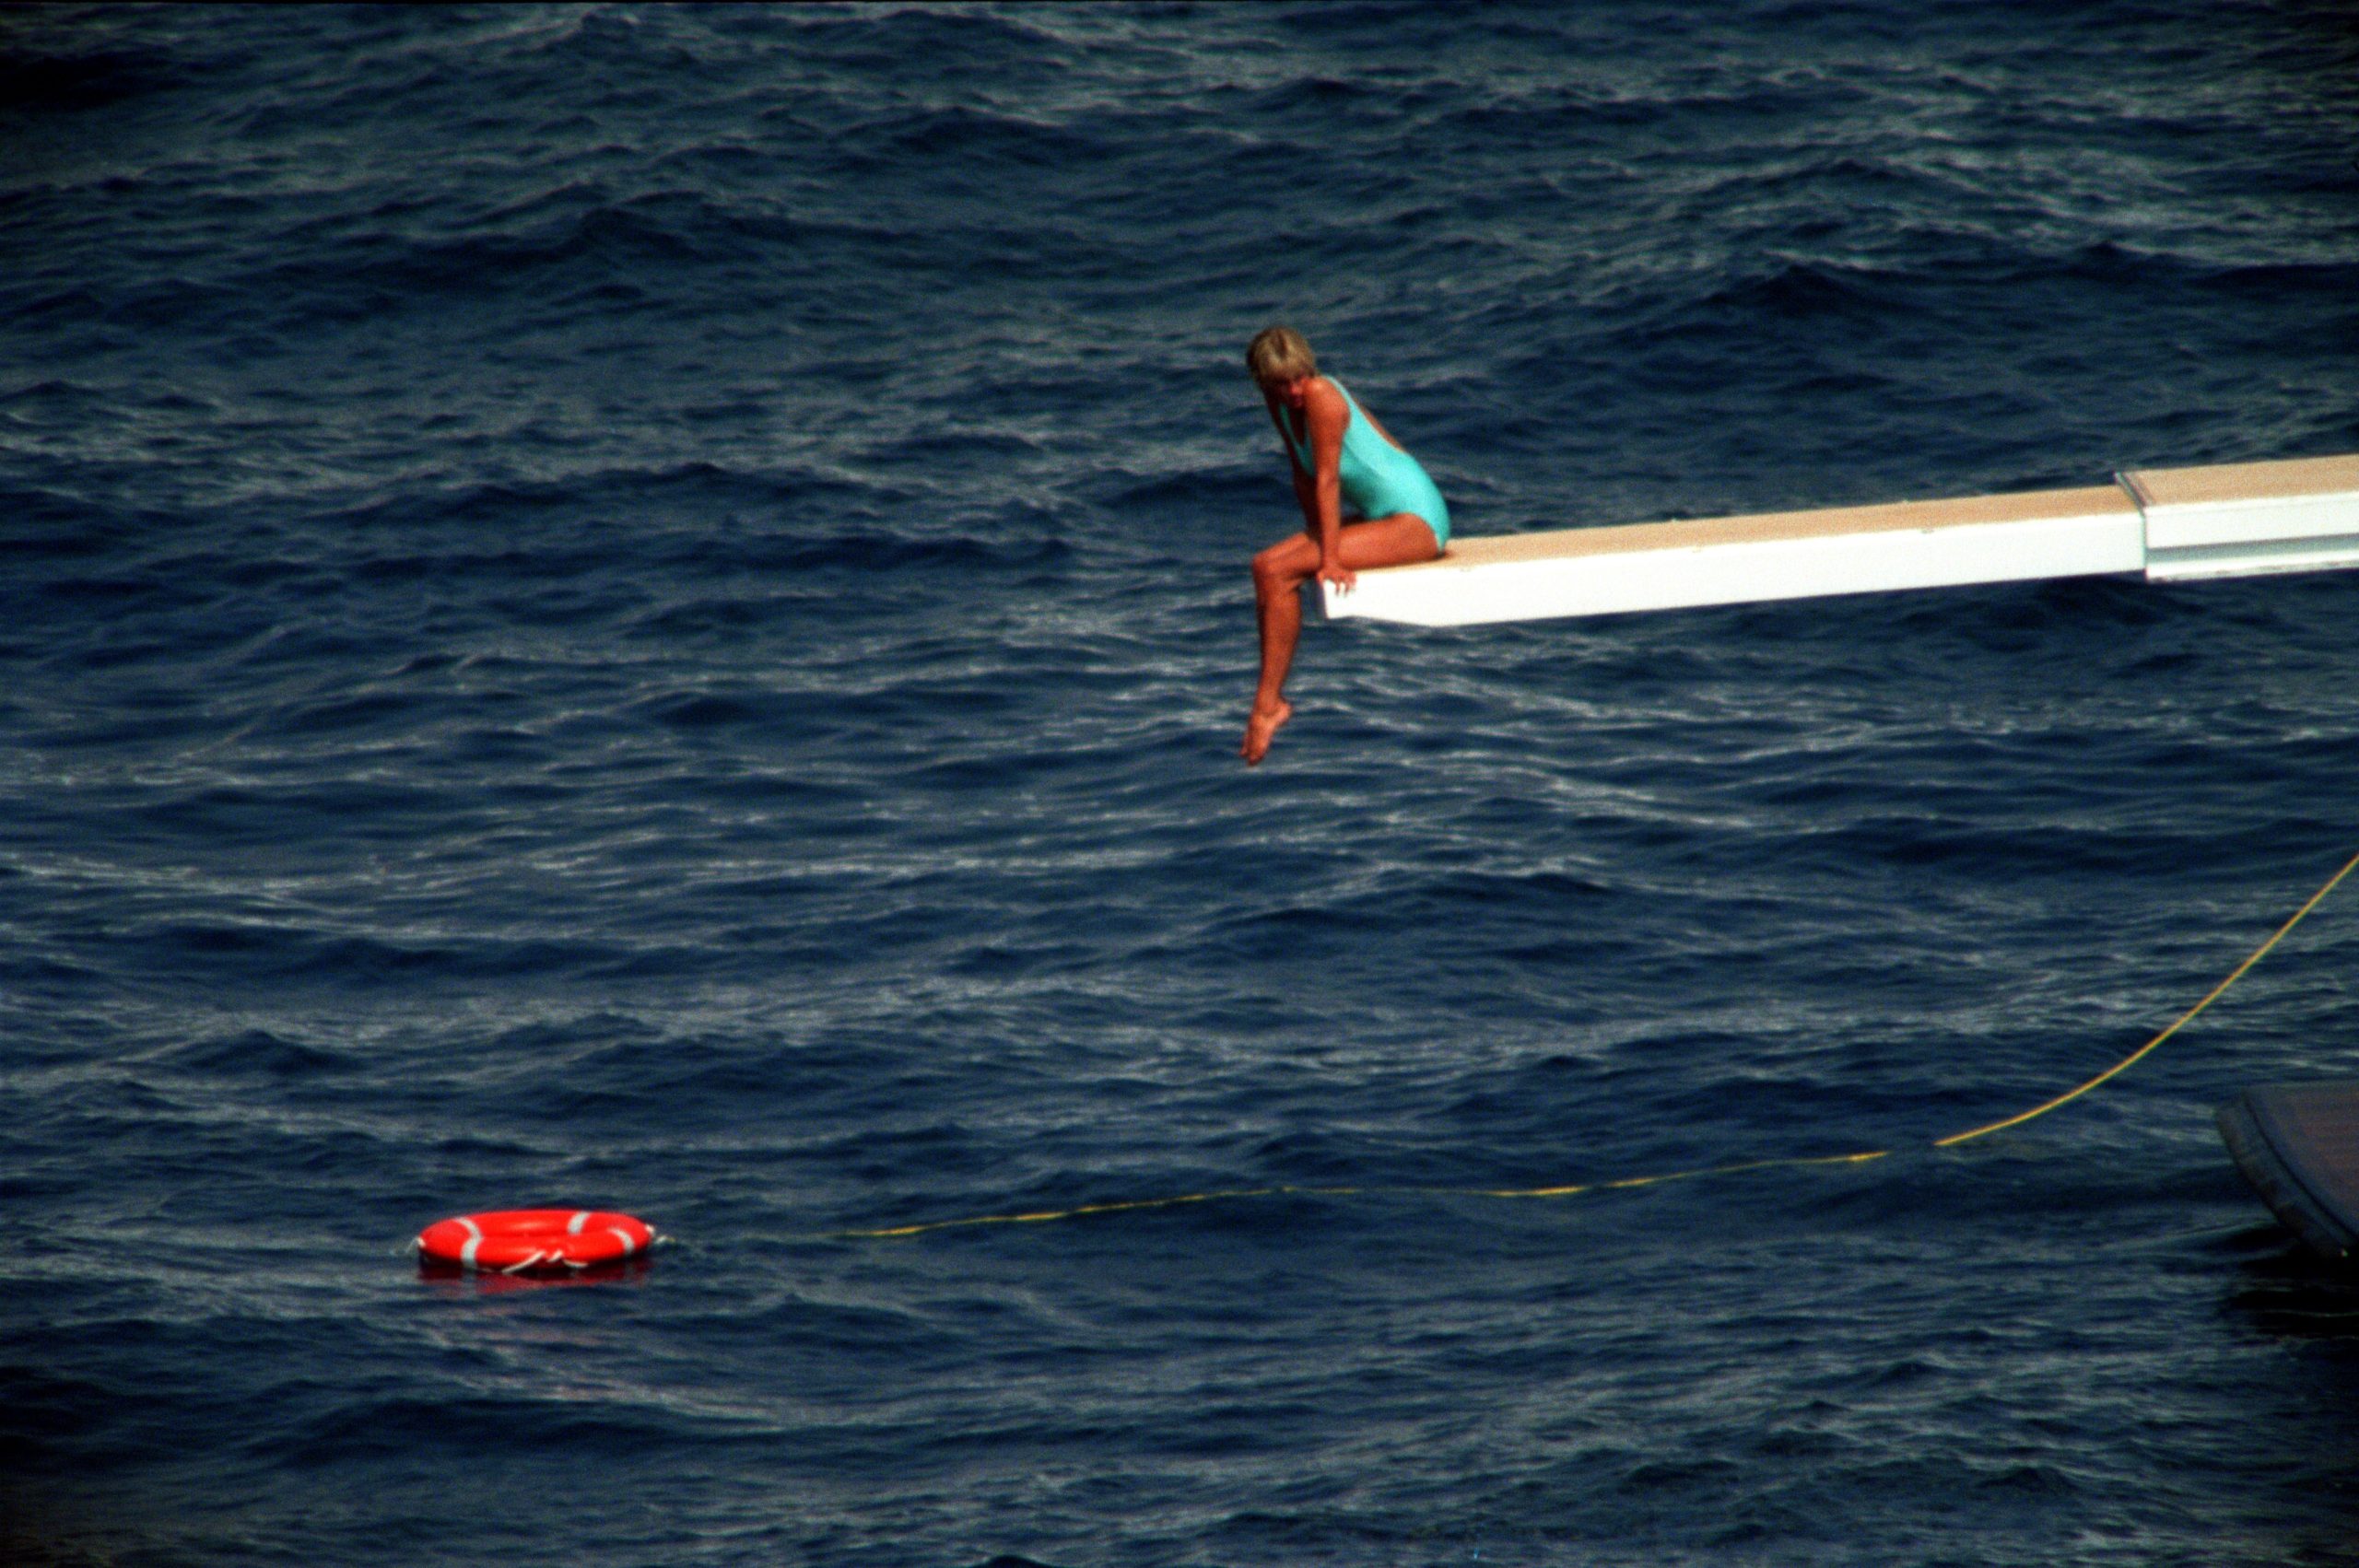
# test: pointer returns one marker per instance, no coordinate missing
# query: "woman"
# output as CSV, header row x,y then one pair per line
x,y
1339,455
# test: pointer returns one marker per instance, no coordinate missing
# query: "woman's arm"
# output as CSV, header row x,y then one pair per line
x,y
1327,415
1304,496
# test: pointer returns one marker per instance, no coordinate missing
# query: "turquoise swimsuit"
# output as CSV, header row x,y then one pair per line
x,y
1377,477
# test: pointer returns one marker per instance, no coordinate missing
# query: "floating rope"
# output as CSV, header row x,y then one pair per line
x,y
1617,1184
2184,1019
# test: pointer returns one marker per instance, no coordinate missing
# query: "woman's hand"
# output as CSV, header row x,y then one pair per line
x,y
1342,576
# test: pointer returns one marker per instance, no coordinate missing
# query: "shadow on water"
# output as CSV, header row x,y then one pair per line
x,y
2288,1291
2297,1448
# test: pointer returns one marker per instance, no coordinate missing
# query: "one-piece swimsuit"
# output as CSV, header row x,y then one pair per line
x,y
1377,477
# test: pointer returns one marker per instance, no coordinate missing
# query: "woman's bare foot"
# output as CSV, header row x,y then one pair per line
x,y
1260,728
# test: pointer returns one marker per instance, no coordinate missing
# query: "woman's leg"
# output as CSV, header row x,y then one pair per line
x,y
1279,573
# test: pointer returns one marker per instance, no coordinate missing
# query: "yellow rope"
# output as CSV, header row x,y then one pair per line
x,y
2135,1057
1041,1215
1859,1159
1571,1189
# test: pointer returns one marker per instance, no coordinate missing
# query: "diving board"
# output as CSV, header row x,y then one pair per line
x,y
2236,520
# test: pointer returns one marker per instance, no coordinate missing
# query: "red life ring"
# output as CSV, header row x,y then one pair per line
x,y
526,1241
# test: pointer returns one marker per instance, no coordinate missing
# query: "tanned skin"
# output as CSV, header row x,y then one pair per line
x,y
1327,550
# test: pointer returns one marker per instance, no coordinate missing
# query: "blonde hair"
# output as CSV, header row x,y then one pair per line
x,y
1279,354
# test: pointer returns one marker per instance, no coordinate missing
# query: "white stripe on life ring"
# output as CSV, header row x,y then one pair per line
x,y
574,1227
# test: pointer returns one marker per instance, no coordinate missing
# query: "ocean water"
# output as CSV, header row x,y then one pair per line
x,y
646,607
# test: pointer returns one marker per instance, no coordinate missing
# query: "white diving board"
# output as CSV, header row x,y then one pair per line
x,y
2239,520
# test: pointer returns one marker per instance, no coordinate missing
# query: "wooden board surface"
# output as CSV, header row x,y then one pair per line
x,y
2227,483
1898,517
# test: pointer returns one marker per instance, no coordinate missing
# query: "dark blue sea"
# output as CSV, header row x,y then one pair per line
x,y
646,608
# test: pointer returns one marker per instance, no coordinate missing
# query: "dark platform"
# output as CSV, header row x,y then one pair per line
x,y
2298,1143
